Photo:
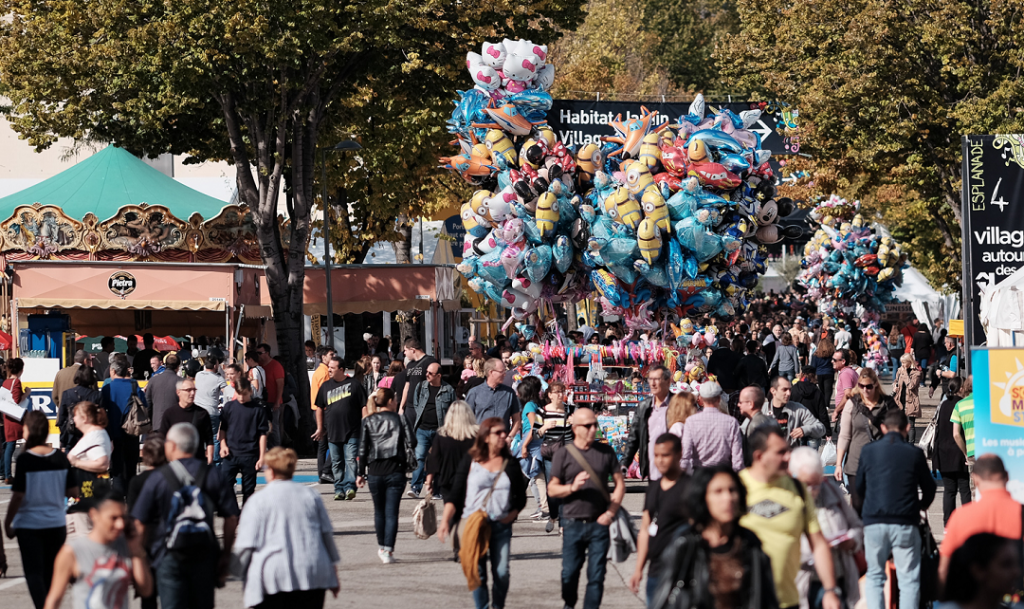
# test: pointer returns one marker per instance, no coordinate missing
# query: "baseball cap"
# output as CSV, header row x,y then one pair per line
x,y
710,390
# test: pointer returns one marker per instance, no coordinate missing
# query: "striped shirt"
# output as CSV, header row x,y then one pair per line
x,y
963,414
285,542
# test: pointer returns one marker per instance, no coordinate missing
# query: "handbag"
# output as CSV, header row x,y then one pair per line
x,y
621,530
929,564
828,454
927,443
424,519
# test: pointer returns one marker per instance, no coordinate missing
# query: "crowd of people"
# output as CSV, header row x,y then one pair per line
x,y
739,509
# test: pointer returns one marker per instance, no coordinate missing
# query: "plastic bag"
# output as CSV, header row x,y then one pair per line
x,y
828,454
424,519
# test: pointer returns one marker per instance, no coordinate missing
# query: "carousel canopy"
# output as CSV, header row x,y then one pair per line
x,y
108,181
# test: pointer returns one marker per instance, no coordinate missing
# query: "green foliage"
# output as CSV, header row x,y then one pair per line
x,y
689,31
611,53
885,91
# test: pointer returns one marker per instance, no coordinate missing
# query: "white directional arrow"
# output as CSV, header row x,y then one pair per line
x,y
762,129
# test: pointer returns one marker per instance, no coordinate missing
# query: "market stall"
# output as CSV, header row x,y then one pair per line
x,y
386,289
54,301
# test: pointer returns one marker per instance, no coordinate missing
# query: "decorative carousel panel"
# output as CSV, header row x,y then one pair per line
x,y
41,230
142,230
233,231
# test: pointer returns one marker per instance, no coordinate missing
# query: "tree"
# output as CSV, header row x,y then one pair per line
x,y
611,53
885,91
689,32
249,81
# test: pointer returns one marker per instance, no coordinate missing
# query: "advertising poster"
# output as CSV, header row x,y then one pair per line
x,y
999,410
993,219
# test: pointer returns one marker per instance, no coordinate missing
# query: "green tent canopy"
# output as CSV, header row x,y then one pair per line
x,y
109,180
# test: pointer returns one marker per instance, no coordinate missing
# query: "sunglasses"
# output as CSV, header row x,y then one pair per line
x,y
587,425
499,432
868,386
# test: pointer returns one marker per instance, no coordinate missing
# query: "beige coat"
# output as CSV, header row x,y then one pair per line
x,y
912,381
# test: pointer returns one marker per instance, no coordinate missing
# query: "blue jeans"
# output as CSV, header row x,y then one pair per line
x,y
580,540
343,464
386,492
424,439
187,582
215,424
904,542
895,361
8,457
498,553
652,586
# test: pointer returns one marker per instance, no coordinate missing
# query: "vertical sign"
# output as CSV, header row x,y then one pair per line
x,y
992,231
999,410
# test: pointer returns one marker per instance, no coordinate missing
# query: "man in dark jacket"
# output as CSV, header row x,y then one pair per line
x,y
723,363
639,428
431,399
923,345
806,392
752,370
890,474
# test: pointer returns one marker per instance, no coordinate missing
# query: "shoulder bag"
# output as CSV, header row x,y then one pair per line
x,y
621,530
476,536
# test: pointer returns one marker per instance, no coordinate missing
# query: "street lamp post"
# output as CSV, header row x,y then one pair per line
x,y
343,146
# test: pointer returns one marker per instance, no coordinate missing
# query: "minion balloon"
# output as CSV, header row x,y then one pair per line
x,y
655,209
648,237
547,214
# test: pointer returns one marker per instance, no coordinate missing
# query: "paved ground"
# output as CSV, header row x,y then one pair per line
x,y
424,576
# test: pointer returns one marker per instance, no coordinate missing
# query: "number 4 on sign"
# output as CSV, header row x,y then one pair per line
x,y
996,199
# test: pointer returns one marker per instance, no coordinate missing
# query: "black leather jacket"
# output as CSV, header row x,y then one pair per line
x,y
637,440
686,572
385,435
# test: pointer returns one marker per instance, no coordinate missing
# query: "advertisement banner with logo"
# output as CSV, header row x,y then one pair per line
x,y
582,122
999,410
992,230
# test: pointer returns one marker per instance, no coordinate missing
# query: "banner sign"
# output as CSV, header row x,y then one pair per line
x,y
999,410
582,122
992,230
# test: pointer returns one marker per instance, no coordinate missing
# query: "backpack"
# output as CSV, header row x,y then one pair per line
x,y
137,420
188,521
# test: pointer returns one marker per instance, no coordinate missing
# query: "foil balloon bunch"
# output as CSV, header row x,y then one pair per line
x,y
847,262
659,215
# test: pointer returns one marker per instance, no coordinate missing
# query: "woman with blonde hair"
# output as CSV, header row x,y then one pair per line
x,y
451,444
378,401
905,390
859,425
285,534
472,375
682,406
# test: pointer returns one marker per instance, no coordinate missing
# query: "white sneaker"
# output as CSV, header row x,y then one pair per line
x,y
388,558
382,554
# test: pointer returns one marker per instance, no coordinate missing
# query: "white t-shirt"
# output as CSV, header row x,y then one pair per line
x,y
93,445
843,339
